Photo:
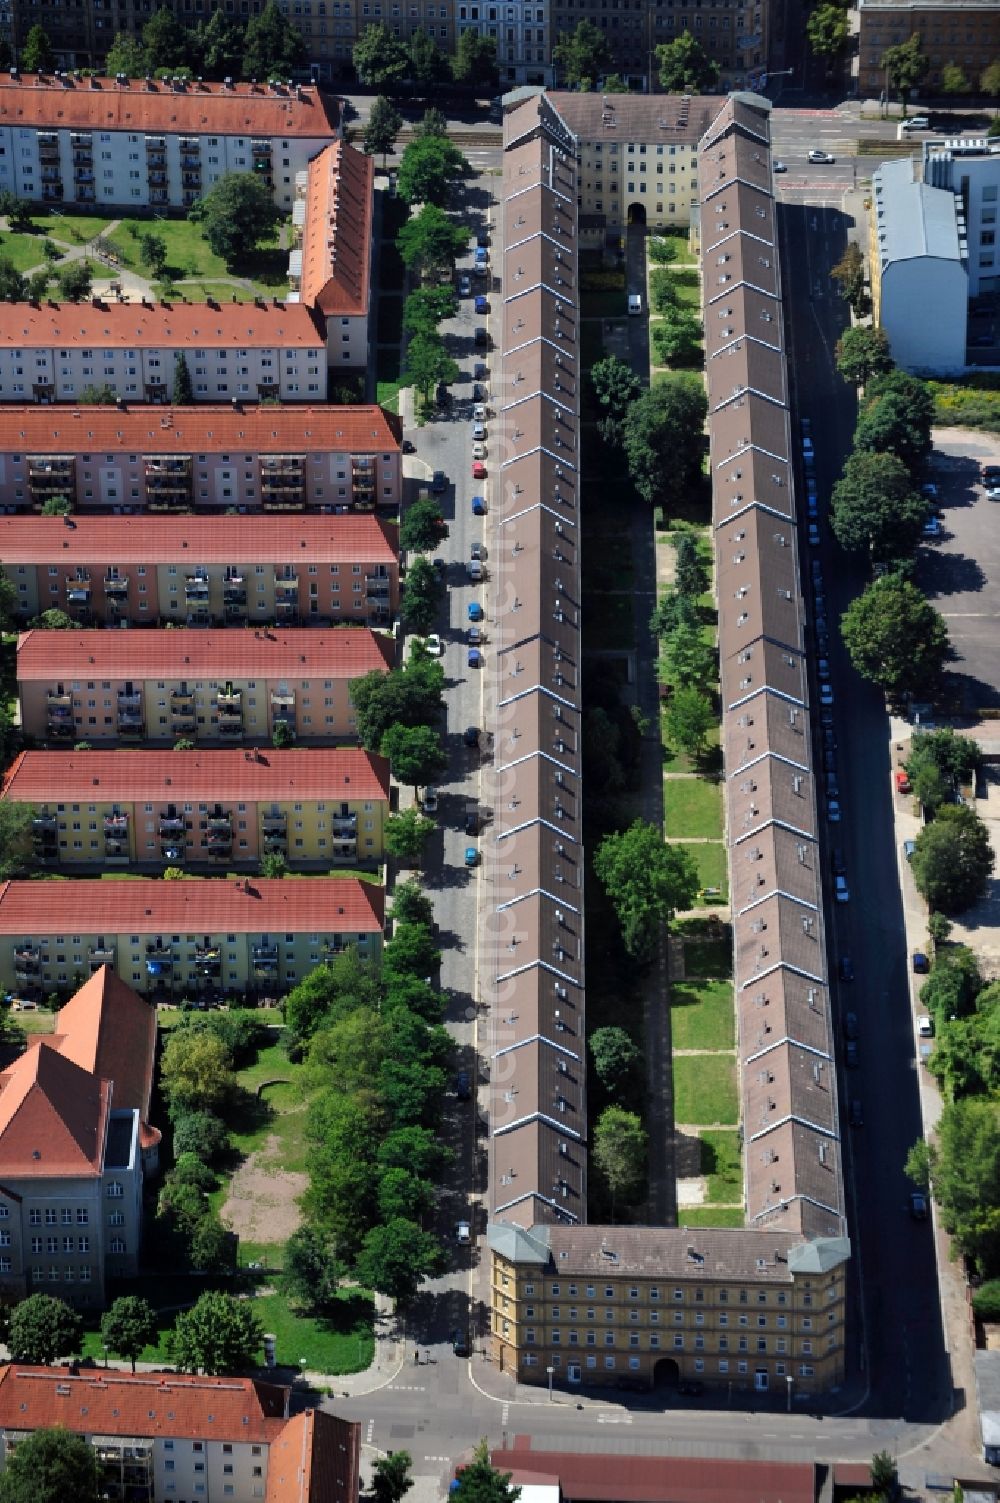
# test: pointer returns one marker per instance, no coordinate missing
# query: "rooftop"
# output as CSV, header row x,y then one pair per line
x,y
341,652
53,1115
160,108
44,777
336,241
179,430
108,1030
638,117
315,1460
199,905
622,1478
274,326
913,219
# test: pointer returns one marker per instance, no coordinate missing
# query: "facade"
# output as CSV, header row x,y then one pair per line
x,y
173,940
330,265
965,32
235,352
970,170
203,459
75,1142
209,808
738,37
156,144
161,1436
918,258
204,572
523,33
579,1301
225,687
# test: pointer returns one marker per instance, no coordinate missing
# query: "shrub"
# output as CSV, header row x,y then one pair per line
x,y
986,1300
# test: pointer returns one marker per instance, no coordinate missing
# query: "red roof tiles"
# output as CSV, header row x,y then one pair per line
x,y
108,1030
160,326
315,1460
336,238
52,1114
660,1479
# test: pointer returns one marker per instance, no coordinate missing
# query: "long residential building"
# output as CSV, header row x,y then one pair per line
x,y
204,571
155,144
210,459
330,264
235,352
223,808
172,1436
217,686
203,936
963,32
587,1302
75,1145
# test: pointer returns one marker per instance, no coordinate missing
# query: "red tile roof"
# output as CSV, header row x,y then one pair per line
x,y
336,237
160,326
315,1460
179,430
206,108
140,1404
108,1030
199,905
661,1479
40,777
341,652
52,1115
355,538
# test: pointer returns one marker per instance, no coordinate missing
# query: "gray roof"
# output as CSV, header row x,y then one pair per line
x,y
913,219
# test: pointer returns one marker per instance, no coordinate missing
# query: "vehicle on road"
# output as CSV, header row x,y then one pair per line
x,y
909,846
471,735
917,122
479,451
434,645
463,1232
925,1026
471,856
459,1344
478,429
812,535
430,800
479,412
778,166
821,158
918,1205
464,286
826,694
833,810
475,658
478,472
482,335
852,1055
841,891
852,1029
439,482
634,302
474,636
479,504
902,780
481,306
474,610
856,1114
921,965
409,447
846,968
463,1085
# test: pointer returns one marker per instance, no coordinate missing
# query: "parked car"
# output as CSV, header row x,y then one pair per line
x,y
479,412
634,303
482,335
480,372
856,1113
478,473
471,735
478,389
475,658
921,965
909,846
812,535
475,570
823,668
430,800
852,1028
471,856
918,1205
478,429
902,780
925,1026
434,645
478,505
841,891
472,821
917,122
463,1085
833,810
476,551
838,865
464,287
460,1343
481,306
852,1055
474,636
463,1232
482,239
482,255
825,694
479,450
474,611
932,527
439,482
846,968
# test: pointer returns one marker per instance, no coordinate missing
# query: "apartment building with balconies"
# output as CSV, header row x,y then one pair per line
x,y
329,268
206,937
204,809
155,143
211,459
127,688
205,572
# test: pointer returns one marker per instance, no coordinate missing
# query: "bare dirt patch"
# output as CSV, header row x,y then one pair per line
x,y
262,1204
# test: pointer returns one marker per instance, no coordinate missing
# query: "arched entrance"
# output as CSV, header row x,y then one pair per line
x,y
666,1373
637,213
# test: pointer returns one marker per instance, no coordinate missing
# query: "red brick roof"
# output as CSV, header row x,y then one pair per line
x,y
355,538
140,1404
206,108
52,1114
42,777
160,326
108,1030
179,430
341,652
199,905
336,237
315,1460
594,1478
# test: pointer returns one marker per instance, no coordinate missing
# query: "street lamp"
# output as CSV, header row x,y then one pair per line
x,y
551,1373
789,1380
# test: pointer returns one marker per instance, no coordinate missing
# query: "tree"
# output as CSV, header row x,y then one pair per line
x,y
614,84
74,280
954,79
427,363
38,286
582,55
283,735
406,834
480,1482
952,859
691,570
422,526
427,169
616,386
312,1272
8,602
890,423
411,905
50,1466
43,1329
153,252
401,1193
619,1151
428,242
475,61
828,29
966,1058
191,1170
434,123
685,67
688,659
905,66
616,1059
196,1070
895,637
673,610
957,757
165,41
236,214
415,754
183,394
126,55
128,1327
200,1132
863,352
273,45
410,953
422,597
874,507
395,1257
98,396
15,838
220,1335
391,1478
689,719
965,1175
213,1248
989,79
417,1149
425,308
428,65
384,122
647,881
409,696
664,439
13,287
953,988
885,1478
677,338
36,54
380,59
849,274
217,46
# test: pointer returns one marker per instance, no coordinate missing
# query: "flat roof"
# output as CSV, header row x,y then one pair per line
x,y
340,652
913,219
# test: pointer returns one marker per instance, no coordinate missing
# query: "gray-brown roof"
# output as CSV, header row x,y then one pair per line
x,y
665,118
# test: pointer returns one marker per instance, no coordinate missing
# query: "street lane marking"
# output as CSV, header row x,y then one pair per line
x,y
505,1414
621,1417
370,1431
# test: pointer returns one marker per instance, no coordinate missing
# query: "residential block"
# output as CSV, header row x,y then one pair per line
x,y
329,268
203,937
218,808
218,686
964,32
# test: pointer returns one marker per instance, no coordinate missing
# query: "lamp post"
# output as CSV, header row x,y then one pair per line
x,y
105,1354
789,1380
551,1373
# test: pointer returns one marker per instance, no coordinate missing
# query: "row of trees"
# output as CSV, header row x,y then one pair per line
x,y
427,359
398,714
418,66
265,46
687,663
952,857
584,58
73,281
659,431
677,336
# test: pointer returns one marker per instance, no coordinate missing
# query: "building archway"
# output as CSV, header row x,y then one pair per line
x,y
666,1373
637,213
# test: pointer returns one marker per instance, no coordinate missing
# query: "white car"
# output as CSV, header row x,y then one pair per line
x,y
822,158
463,1232
479,412
841,891
479,430
430,800
825,694
479,451
925,1027
434,645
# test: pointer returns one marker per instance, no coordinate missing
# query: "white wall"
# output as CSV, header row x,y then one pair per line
x,y
924,312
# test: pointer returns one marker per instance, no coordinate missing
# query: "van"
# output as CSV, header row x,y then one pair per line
x,y
634,302
475,569
917,122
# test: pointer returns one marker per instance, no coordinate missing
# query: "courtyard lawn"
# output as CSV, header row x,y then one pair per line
x,y
189,255
722,1163
692,808
73,229
701,1015
710,859
341,1343
677,761
24,250
709,957
220,292
704,1089
710,1216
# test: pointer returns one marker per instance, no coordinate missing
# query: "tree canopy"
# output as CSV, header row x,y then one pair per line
x,y
50,1466
582,55
952,859
685,67
664,439
939,762
427,169
617,1059
905,66
422,597
647,881
235,214
380,59
828,29
395,1256
219,1335
384,123
410,695
423,525
620,1153
43,1329
196,1069
874,507
429,242
480,1482
37,55
616,386
272,45
406,834
416,755
895,637
129,1326
965,1175
475,60
863,352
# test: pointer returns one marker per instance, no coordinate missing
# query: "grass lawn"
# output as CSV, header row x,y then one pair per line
x,y
721,1161
344,1343
701,1016
387,395
677,761
41,1021
188,252
705,1089
709,957
74,229
199,291
688,288
699,1216
683,254
692,807
24,250
710,859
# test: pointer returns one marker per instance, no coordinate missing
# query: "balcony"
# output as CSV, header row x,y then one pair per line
x,y
208,961
61,727
45,836
286,585
275,824
158,195
51,475
230,725
229,700
78,590
115,588
51,175
275,841
234,589
130,725
116,824
182,718
27,960
345,826
159,961
116,851
101,955
219,839
157,179
265,959
171,825
83,175
183,695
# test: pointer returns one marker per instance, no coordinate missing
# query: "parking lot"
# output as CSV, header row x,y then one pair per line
x,y
960,569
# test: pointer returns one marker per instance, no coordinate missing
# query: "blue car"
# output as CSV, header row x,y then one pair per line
x,y
475,658
482,255
475,611
471,856
479,506
482,306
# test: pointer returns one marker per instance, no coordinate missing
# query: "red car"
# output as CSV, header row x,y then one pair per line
x,y
902,781
478,470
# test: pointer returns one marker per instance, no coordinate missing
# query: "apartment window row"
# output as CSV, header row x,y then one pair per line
x,y
678,1293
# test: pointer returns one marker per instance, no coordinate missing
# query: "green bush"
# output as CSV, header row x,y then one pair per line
x,y
986,1300
661,250
967,405
662,290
